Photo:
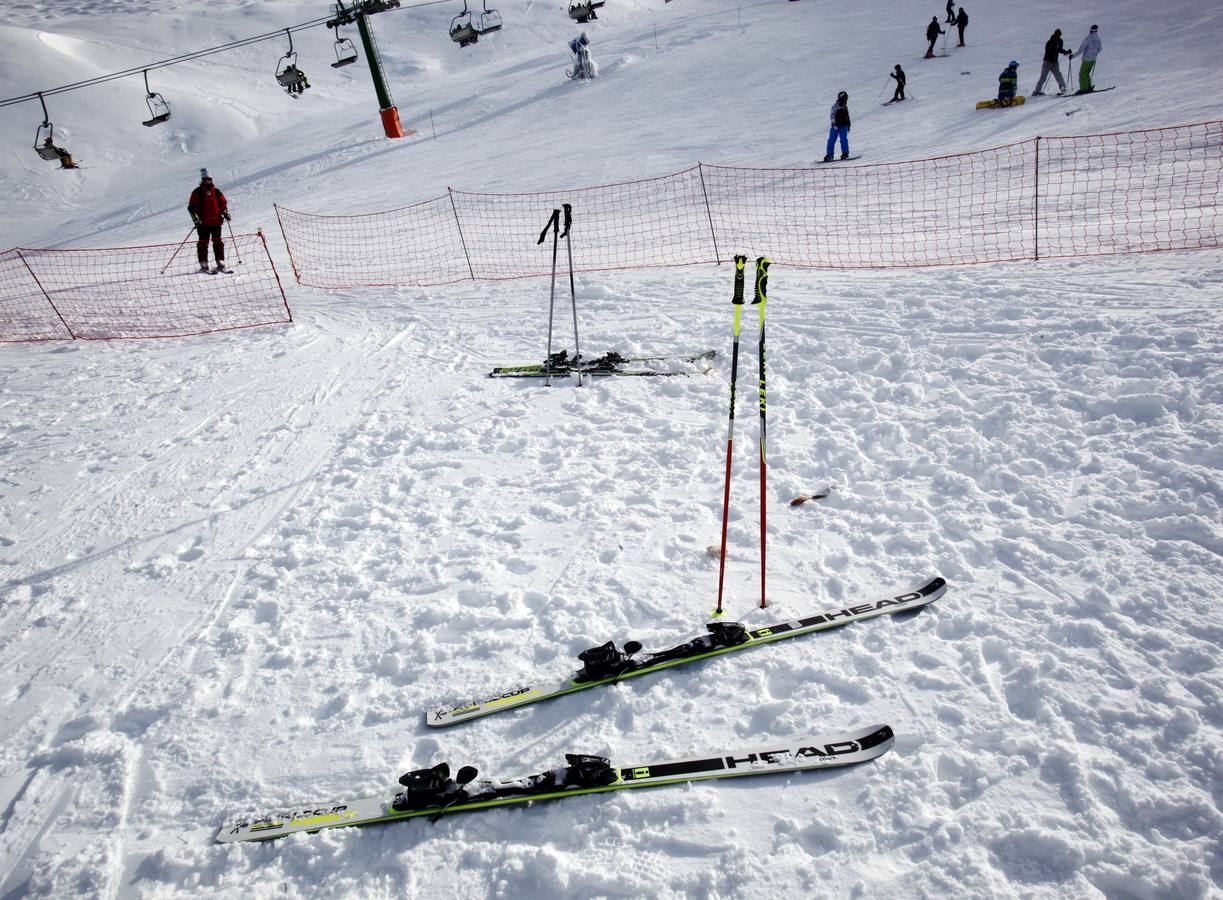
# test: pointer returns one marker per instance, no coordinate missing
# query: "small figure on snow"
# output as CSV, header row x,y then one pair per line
x,y
838,120
932,32
961,22
1050,64
209,208
1008,83
950,12
294,80
1088,51
901,80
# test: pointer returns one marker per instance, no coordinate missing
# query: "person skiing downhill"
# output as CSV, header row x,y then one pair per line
x,y
961,22
838,120
901,80
1087,53
209,208
1049,65
1008,83
932,32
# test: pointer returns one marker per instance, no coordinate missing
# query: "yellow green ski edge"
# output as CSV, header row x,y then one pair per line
x,y
919,596
767,757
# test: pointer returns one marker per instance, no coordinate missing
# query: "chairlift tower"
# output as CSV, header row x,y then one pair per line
x,y
359,11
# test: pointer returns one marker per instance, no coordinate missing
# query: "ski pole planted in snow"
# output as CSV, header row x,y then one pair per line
x,y
553,225
573,296
233,240
740,263
176,252
761,299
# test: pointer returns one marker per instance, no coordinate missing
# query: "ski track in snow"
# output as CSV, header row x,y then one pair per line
x,y
235,570
321,530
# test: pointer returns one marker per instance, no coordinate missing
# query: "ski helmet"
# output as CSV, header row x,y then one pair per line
x,y
1014,64
842,96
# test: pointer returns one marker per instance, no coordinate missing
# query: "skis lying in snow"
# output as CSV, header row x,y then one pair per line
x,y
612,363
606,664
432,792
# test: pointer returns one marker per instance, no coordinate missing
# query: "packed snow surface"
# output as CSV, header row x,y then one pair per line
x,y
235,570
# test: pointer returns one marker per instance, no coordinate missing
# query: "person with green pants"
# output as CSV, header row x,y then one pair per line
x,y
1088,51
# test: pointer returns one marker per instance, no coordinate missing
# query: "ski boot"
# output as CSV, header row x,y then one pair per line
x,y
828,158
844,156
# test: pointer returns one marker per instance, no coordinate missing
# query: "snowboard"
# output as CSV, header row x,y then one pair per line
x,y
824,162
999,104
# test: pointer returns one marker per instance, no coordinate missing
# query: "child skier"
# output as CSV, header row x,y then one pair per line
x,y
838,120
1008,82
901,79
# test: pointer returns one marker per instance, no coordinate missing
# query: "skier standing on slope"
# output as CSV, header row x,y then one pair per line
x,y
1008,83
932,32
1053,49
838,120
209,208
961,22
1088,51
950,12
901,80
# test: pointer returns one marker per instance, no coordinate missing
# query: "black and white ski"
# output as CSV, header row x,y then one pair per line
x,y
433,792
611,363
606,664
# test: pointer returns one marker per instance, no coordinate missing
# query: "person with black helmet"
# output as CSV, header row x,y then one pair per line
x,y
961,22
901,80
209,208
1053,49
1008,83
1088,51
839,121
932,32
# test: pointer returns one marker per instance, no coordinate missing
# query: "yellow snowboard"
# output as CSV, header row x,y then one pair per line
x,y
994,104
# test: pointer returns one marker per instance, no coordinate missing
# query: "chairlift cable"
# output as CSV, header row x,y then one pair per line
x,y
190,57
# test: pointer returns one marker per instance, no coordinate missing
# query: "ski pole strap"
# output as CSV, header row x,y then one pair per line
x,y
551,226
740,262
568,220
762,279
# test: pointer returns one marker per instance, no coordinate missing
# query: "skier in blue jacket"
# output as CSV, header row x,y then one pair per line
x,y
838,120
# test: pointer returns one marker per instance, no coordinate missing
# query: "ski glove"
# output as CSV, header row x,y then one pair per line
x,y
225,214
196,220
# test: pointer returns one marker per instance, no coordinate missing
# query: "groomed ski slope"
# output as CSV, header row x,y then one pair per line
x,y
235,570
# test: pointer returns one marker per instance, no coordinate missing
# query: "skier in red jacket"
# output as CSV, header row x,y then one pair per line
x,y
209,209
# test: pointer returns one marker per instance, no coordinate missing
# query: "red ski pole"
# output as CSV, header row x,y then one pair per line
x,y
740,263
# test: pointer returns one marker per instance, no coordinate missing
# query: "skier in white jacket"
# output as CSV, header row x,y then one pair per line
x,y
1088,51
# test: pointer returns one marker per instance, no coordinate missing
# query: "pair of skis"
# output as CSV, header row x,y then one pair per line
x,y
610,363
760,301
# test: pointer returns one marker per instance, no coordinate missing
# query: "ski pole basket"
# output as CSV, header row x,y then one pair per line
x,y
159,109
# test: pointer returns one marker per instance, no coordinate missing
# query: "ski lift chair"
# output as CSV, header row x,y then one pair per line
x,y
159,109
288,76
582,11
44,137
345,51
462,32
490,20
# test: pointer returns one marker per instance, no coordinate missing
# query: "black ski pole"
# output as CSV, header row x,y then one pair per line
x,y
761,299
573,295
737,300
552,224
233,240
179,250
